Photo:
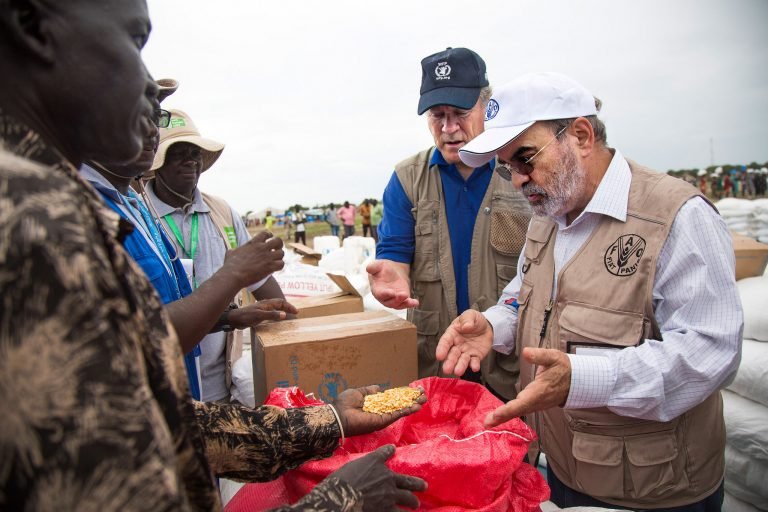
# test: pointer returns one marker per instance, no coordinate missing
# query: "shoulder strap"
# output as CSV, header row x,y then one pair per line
x,y
221,215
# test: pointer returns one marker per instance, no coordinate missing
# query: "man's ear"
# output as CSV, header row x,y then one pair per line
x,y
582,129
27,24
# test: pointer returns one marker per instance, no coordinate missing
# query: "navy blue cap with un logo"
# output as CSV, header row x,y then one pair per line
x,y
452,77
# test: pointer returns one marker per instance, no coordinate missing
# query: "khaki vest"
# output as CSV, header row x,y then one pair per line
x,y
604,300
221,215
497,240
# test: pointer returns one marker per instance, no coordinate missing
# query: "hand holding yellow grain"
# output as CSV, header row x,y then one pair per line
x,y
391,400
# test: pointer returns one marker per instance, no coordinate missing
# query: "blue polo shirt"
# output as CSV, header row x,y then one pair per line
x,y
461,201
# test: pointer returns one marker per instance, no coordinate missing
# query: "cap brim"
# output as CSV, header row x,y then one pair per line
x,y
166,87
211,150
484,147
459,97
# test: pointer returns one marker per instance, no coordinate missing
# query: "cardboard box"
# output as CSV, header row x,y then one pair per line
x,y
327,355
308,255
751,256
345,301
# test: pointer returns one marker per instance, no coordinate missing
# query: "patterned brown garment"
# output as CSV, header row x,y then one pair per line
x,y
96,412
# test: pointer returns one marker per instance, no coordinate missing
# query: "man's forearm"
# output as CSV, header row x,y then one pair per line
x,y
195,315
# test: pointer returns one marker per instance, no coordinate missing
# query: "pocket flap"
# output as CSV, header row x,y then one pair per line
x,y
599,450
540,229
427,322
425,228
603,325
506,272
524,293
651,449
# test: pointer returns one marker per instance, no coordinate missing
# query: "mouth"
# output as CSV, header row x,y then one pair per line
x,y
456,145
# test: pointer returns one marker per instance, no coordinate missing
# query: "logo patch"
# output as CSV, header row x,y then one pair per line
x,y
492,109
443,71
176,122
622,258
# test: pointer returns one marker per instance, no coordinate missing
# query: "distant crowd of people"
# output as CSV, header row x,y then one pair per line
x,y
743,184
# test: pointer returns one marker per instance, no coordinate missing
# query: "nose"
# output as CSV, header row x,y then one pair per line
x,y
450,123
518,180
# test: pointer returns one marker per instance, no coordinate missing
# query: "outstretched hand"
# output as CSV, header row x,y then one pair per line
x,y
354,421
389,284
256,259
267,309
465,343
382,488
549,388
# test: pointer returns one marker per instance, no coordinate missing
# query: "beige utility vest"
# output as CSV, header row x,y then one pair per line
x,y
604,300
497,240
221,215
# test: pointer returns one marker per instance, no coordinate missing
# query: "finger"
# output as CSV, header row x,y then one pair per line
x,y
374,267
369,390
541,356
261,237
383,453
474,363
289,308
274,243
461,365
410,483
520,406
406,498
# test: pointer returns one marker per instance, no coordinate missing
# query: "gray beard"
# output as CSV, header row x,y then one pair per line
x,y
567,182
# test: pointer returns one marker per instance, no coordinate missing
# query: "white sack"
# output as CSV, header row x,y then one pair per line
x,y
746,427
753,292
746,478
752,377
733,504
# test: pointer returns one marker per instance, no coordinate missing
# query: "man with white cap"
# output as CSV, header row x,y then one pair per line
x,y
203,228
451,233
624,309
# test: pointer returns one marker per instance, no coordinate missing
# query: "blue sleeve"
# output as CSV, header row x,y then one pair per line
x,y
396,230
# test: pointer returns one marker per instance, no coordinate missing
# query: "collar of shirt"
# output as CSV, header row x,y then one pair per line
x,y
438,159
163,209
611,196
101,183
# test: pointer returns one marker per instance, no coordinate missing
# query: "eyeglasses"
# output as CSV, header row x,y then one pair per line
x,y
162,118
522,165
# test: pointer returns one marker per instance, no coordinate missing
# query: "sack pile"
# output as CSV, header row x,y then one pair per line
x,y
746,217
745,407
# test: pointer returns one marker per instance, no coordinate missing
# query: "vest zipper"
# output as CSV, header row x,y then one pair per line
x,y
547,311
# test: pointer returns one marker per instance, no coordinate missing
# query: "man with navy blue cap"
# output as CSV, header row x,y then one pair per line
x,y
625,309
451,234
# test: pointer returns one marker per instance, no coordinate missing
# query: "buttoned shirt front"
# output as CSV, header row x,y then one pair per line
x,y
698,312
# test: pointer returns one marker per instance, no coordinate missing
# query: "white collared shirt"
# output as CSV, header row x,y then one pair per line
x,y
695,301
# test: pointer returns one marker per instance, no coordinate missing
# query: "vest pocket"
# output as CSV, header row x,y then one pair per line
x,y
508,228
427,328
650,459
583,324
504,274
598,464
425,267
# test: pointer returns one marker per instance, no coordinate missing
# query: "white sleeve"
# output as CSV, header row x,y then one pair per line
x,y
503,317
699,313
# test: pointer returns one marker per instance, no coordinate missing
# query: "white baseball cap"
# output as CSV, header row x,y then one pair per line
x,y
518,104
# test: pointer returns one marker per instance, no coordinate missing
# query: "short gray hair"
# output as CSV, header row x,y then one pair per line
x,y
601,135
485,96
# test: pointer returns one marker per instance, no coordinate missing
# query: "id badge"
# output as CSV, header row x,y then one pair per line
x,y
189,269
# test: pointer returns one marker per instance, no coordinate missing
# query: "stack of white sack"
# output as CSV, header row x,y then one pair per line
x,y
760,220
745,406
737,214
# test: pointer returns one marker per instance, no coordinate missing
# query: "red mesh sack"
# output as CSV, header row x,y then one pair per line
x,y
467,467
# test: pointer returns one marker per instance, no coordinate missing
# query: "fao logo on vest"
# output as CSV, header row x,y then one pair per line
x,y
623,256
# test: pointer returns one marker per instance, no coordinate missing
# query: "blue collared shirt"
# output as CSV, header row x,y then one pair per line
x,y
461,203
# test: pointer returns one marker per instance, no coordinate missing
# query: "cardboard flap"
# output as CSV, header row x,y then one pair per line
x,y
343,283
305,250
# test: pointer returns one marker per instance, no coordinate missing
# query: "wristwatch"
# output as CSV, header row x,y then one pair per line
x,y
223,323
